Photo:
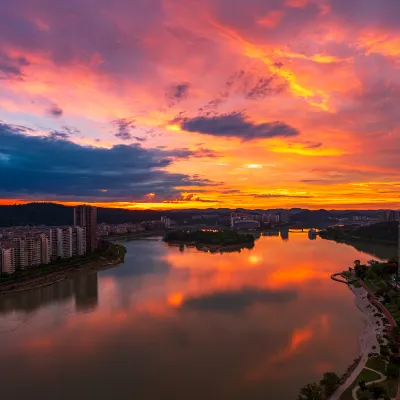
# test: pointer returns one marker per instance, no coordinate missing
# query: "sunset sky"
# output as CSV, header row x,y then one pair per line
x,y
201,103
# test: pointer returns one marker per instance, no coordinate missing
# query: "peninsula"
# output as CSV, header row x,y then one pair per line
x,y
213,241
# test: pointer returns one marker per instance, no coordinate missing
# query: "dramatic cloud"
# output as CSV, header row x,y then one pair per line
x,y
124,126
35,166
55,111
11,67
237,125
161,72
177,93
235,301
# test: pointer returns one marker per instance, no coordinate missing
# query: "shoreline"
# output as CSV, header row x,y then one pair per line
x,y
212,248
66,272
355,239
373,327
367,338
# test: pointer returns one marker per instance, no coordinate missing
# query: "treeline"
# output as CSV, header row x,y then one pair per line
x,y
207,237
380,232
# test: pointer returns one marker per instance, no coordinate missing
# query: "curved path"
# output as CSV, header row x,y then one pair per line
x,y
378,304
333,276
367,340
381,379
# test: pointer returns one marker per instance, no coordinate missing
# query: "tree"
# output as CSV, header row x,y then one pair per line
x,y
362,385
377,392
312,391
392,371
330,382
357,263
395,334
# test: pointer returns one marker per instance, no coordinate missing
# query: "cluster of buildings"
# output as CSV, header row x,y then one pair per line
x,y
393,215
129,227
25,247
254,221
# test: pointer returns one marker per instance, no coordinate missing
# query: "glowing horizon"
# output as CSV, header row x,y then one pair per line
x,y
167,104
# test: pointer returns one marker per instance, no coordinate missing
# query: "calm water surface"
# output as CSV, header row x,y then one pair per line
x,y
186,325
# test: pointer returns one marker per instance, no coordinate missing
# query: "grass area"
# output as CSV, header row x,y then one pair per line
x,y
390,385
365,375
377,364
346,274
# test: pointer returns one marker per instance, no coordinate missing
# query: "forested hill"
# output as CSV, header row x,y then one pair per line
x,y
57,214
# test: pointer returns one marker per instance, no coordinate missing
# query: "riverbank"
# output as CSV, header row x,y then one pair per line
x,y
355,239
377,368
52,273
373,343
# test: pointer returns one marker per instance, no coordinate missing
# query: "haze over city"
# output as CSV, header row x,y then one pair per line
x,y
198,104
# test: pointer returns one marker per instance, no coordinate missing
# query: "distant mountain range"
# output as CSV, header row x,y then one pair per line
x,y
57,214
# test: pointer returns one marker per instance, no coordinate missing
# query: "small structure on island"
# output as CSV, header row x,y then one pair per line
x,y
246,224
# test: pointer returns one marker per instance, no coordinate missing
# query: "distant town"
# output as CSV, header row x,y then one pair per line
x,y
23,247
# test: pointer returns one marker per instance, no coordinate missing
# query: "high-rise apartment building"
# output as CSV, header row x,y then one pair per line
x,y
86,217
21,257
56,243
7,260
78,241
31,250
44,249
67,242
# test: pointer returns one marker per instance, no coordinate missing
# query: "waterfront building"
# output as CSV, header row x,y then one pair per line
x,y
283,217
392,215
166,222
56,248
31,250
7,259
67,242
44,249
86,216
78,241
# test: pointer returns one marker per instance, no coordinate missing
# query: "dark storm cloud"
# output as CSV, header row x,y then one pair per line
x,y
55,111
237,300
124,126
187,153
265,86
177,93
11,68
57,168
236,125
60,135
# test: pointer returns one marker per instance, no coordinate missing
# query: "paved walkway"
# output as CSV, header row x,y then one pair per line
x,y
367,340
380,305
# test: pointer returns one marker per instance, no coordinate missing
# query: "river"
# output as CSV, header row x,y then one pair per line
x,y
173,324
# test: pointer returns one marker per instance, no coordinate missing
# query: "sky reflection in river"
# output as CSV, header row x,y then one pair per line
x,y
185,325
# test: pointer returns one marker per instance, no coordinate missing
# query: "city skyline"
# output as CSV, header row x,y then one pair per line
x,y
215,104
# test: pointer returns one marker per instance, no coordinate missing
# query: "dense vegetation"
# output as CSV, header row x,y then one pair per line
x,y
225,238
106,250
381,232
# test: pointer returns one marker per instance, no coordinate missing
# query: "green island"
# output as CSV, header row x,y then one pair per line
x,y
213,241
107,255
377,375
